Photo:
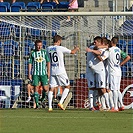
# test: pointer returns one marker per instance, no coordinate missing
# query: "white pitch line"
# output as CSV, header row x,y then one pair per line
x,y
46,117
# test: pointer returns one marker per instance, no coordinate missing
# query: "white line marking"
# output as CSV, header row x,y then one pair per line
x,y
46,117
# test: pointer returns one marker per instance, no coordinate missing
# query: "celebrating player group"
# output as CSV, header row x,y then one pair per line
x,y
103,72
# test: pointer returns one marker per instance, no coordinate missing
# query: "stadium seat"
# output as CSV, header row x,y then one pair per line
x,y
47,8
44,43
29,45
33,6
124,71
130,47
50,3
4,30
16,68
63,6
17,6
4,6
122,44
9,47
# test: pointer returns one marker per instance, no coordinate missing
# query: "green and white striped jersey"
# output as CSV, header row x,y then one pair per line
x,y
39,60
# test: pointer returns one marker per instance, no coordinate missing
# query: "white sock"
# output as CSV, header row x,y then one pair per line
x,y
106,99
103,102
120,98
91,98
115,94
64,95
99,100
50,97
111,99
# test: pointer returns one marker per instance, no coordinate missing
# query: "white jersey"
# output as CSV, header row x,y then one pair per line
x,y
57,59
114,61
88,58
96,64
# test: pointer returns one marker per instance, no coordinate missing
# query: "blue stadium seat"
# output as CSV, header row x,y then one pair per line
x,y
44,43
29,45
16,68
124,71
63,6
33,6
4,29
4,32
122,44
130,47
47,8
50,3
9,48
17,6
35,32
4,6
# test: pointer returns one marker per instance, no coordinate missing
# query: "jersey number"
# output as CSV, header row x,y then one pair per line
x,y
118,58
53,57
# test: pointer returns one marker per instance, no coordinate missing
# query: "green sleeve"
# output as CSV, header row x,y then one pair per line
x,y
123,55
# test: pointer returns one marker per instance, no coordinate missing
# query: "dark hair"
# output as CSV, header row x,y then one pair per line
x,y
114,40
98,38
105,40
56,38
37,41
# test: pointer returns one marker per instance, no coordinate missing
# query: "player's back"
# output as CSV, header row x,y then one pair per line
x,y
114,61
56,54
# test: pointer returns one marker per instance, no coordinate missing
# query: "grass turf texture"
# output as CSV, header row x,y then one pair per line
x,y
68,121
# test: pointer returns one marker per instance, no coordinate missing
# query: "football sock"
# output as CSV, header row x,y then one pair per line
x,y
106,99
111,98
43,95
115,93
120,98
36,97
64,95
103,102
91,98
50,97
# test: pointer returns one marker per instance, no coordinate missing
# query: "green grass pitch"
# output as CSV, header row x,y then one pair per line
x,y
68,121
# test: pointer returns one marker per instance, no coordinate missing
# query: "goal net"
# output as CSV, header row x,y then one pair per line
x,y
18,32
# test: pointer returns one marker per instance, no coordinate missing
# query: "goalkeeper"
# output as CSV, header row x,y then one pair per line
x,y
39,63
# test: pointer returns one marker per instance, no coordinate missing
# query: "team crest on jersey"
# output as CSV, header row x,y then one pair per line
x,y
39,59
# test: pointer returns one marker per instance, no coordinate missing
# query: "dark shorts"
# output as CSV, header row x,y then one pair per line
x,y
37,78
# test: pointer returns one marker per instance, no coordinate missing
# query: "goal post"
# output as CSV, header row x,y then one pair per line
x,y
19,30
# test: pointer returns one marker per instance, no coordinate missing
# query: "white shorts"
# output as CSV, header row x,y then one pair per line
x,y
59,80
114,82
90,76
100,79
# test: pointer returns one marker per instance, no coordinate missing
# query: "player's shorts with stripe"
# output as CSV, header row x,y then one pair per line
x,y
100,79
114,82
90,76
39,78
59,80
